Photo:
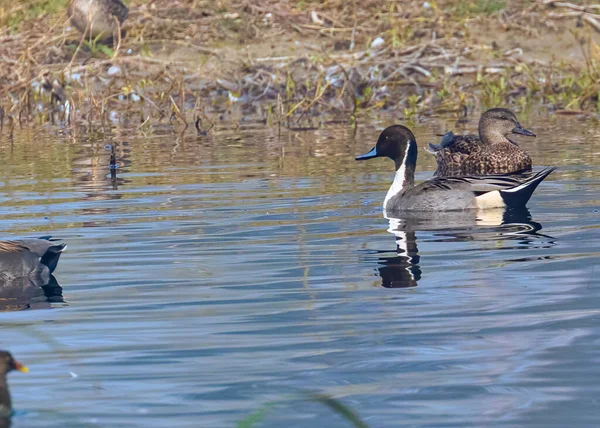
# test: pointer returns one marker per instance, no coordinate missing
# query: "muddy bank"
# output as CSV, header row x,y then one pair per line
x,y
297,65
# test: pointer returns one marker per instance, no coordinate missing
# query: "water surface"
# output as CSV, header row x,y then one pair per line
x,y
217,274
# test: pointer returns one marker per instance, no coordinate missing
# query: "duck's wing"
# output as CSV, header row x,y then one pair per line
x,y
482,184
501,158
46,248
452,151
12,247
465,144
34,259
476,184
514,189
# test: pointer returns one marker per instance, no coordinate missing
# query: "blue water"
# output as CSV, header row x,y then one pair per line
x,y
236,273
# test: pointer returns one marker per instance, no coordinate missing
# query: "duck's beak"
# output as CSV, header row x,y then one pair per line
x,y
21,367
371,154
520,130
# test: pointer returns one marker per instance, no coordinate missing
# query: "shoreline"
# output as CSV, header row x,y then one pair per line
x,y
302,64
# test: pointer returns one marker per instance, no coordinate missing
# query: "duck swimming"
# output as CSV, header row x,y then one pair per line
x,y
29,258
445,193
7,364
489,153
97,18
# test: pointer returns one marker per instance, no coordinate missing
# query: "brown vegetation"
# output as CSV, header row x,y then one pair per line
x,y
292,63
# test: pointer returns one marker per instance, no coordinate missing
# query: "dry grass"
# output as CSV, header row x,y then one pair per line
x,y
293,63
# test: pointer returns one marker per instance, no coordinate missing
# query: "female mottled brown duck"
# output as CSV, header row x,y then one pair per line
x,y
492,152
7,364
98,18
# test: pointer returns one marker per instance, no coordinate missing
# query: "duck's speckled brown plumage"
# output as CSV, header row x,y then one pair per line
x,y
452,152
490,153
97,17
502,158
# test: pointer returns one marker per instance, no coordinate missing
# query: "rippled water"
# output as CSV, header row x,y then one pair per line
x,y
224,275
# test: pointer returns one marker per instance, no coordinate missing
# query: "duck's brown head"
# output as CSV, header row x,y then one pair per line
x,y
8,363
495,124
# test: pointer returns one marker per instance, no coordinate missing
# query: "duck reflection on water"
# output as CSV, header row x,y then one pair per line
x,y
26,267
17,294
403,269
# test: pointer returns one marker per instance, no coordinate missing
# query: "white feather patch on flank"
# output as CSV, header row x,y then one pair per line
x,y
490,217
399,178
491,199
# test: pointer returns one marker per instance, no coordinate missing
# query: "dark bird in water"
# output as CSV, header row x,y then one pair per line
x,y
492,152
7,364
98,18
30,258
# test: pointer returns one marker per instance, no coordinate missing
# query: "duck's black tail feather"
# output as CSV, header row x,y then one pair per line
x,y
47,248
433,148
50,258
447,139
519,195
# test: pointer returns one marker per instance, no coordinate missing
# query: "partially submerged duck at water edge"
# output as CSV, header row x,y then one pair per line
x,y
98,18
492,152
30,258
7,364
445,193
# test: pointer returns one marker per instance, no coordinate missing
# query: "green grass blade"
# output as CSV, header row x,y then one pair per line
x,y
255,417
339,408
105,50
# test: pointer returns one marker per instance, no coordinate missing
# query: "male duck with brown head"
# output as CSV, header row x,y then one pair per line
x,y
490,153
97,18
445,193
7,364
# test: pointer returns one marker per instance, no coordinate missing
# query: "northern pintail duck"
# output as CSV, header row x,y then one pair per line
x,y
7,364
445,193
28,258
97,18
489,153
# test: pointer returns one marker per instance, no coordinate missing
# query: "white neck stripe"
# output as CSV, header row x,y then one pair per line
x,y
399,178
